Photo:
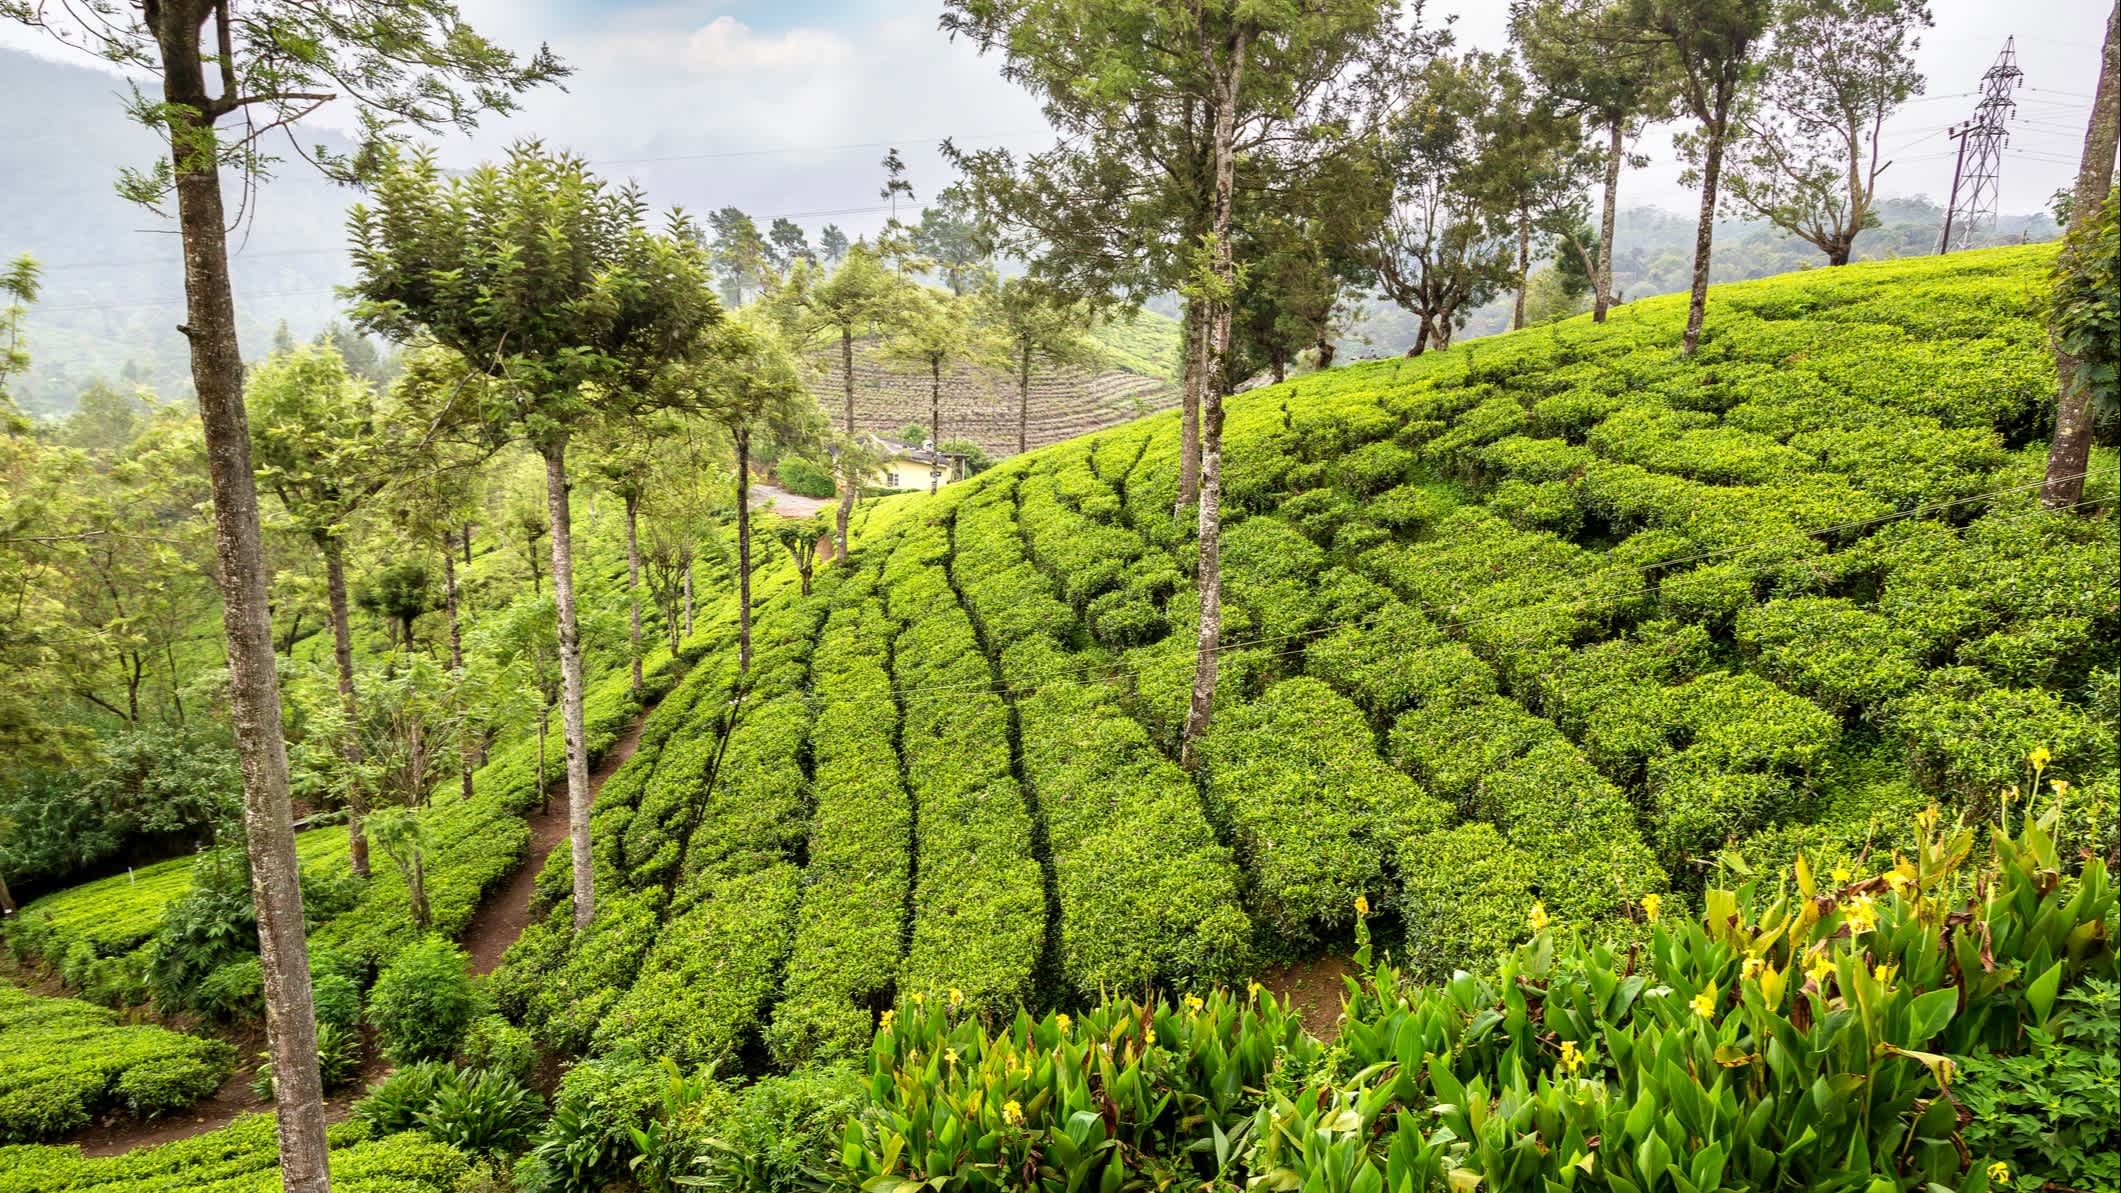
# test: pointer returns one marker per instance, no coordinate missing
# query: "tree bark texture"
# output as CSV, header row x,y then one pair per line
x,y
1602,280
1194,350
743,550
467,750
1214,380
253,681
633,584
573,734
1023,401
342,656
688,592
935,426
1704,233
849,484
1524,266
2067,458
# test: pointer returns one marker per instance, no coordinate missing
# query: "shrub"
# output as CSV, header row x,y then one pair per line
x,y
68,1061
804,478
395,1103
482,1112
337,1000
423,1003
498,1046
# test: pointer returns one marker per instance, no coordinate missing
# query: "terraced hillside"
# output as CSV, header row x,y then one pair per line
x,y
979,402
1540,622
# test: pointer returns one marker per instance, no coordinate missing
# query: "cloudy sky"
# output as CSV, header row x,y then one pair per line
x,y
800,96
783,107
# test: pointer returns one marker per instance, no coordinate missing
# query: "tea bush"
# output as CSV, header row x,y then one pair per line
x,y
68,1062
239,1158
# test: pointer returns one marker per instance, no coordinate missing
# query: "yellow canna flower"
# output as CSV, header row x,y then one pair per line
x,y
950,1056
1571,1059
957,997
1062,1021
919,999
1842,875
1705,1002
1821,968
1194,1003
1751,968
889,1018
1539,918
1362,905
2039,758
1253,989
1013,1112
1999,1173
1885,973
1862,915
1148,1037
2061,787
1651,904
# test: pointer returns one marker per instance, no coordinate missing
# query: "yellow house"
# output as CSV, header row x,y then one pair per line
x,y
909,466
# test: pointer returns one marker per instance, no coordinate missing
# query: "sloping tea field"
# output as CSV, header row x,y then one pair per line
x,y
1547,621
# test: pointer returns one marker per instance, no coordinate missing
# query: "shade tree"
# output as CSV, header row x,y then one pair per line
x,y
543,277
1582,60
812,306
1833,72
932,331
1036,324
215,78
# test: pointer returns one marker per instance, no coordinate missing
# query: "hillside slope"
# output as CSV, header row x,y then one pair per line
x,y
1540,621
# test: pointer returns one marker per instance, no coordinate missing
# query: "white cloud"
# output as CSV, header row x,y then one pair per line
x,y
726,43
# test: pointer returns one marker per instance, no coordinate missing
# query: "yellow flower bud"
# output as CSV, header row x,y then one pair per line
x,y
1705,1002
1571,1058
1062,1021
889,1018
1362,905
1539,918
1013,1112
1652,903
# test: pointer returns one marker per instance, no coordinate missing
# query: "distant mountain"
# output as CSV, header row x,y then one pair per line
x,y
113,279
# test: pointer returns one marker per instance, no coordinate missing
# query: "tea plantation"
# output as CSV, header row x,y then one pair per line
x,y
1551,619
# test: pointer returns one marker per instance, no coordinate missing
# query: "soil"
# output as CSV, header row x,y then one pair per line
x,y
1313,989
500,919
505,912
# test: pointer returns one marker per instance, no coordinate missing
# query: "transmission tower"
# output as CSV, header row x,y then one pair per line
x,y
1981,141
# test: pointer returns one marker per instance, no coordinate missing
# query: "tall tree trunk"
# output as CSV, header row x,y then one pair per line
x,y
688,593
246,617
416,890
467,544
743,549
1023,401
1189,385
849,483
1602,279
1219,314
1421,338
1704,232
2062,486
573,734
1838,253
633,584
935,426
7,899
467,749
1524,265
342,656
1327,350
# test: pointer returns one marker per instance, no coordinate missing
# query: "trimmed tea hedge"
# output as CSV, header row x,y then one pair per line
x,y
68,1062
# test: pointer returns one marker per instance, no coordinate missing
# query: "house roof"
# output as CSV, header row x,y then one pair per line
x,y
919,453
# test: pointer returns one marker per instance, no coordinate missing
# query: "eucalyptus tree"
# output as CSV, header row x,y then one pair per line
x,y
2085,324
1834,72
318,446
742,257
1157,101
932,330
849,302
547,280
621,457
1037,324
1532,162
744,379
1712,48
1580,56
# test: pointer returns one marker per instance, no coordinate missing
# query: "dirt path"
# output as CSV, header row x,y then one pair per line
x,y
501,918
1313,989
505,912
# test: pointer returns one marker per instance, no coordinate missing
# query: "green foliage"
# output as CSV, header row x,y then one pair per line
x,y
69,1062
801,477
2051,1111
497,1046
2087,317
423,1002
239,1158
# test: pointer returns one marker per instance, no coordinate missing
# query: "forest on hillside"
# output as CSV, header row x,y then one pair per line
x,y
641,700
